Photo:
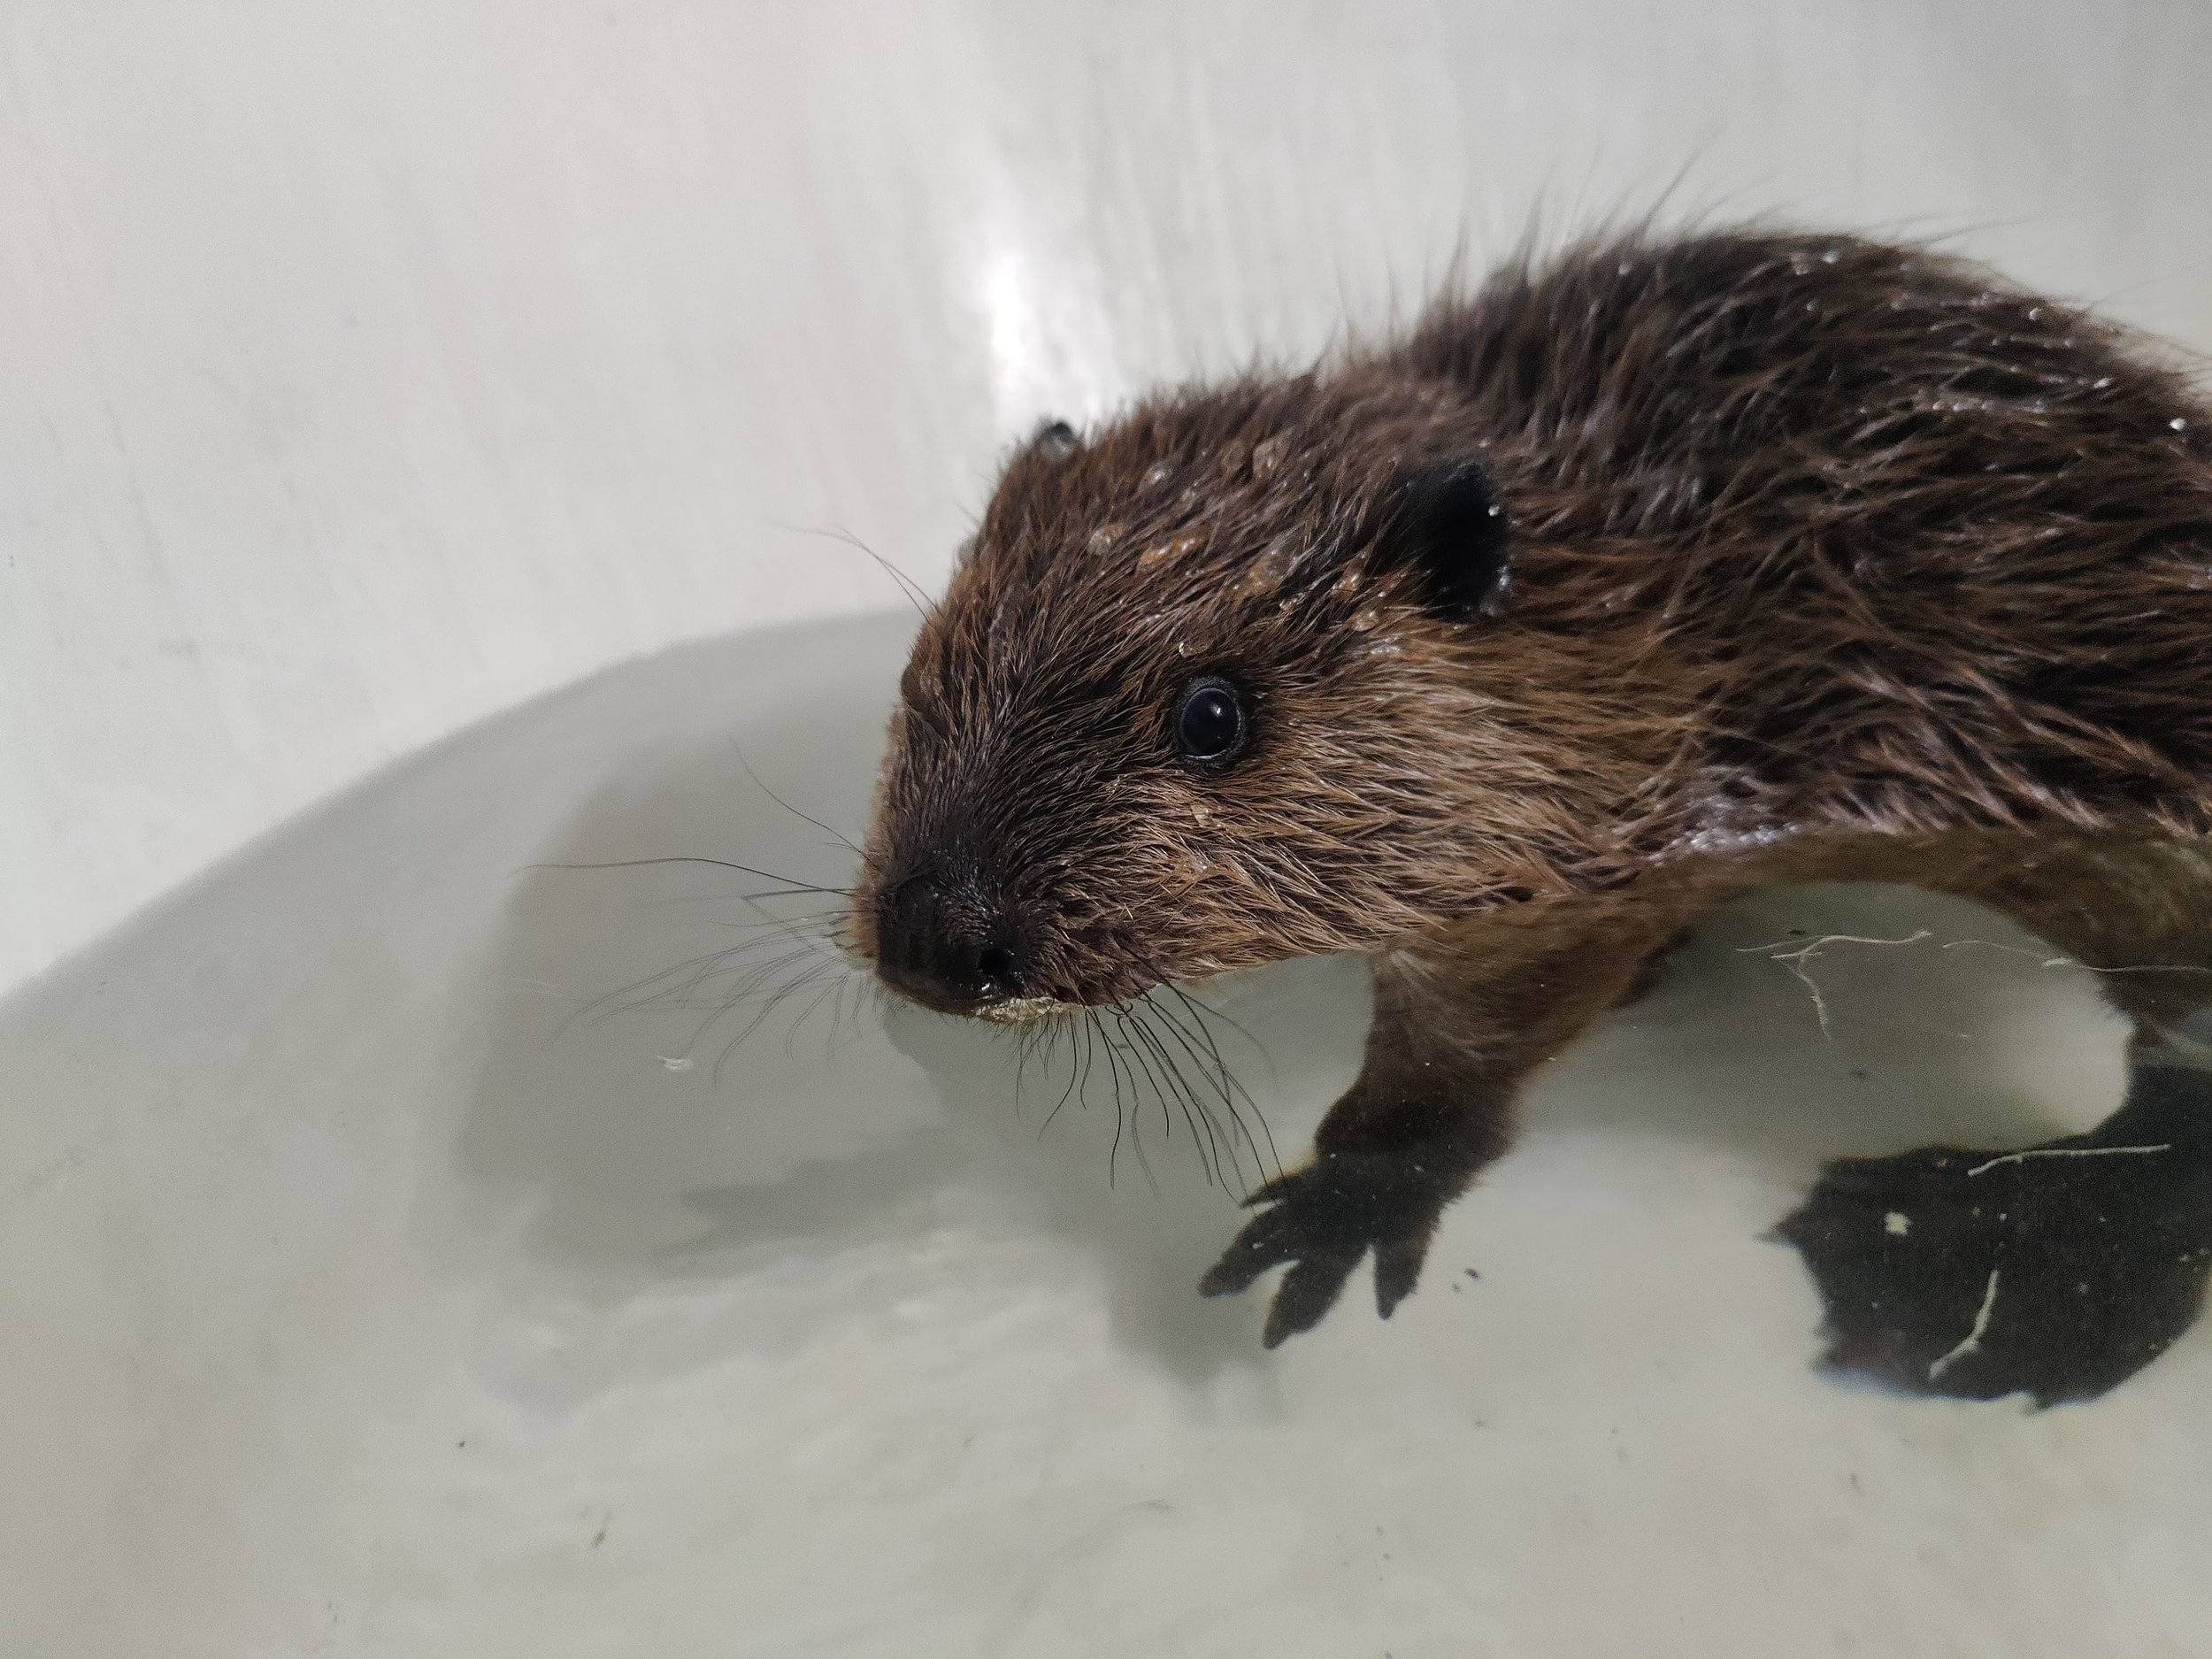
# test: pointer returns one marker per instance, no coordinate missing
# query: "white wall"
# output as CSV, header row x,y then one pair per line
x,y
370,368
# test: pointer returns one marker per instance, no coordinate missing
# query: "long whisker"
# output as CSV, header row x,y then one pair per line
x,y
1233,1091
785,804
795,885
838,1013
768,919
791,1031
625,1000
923,605
1125,1105
1078,1071
1195,1116
1021,1068
812,976
1235,1136
824,921
1113,1153
1230,1091
743,992
1140,1061
1169,1035
1123,1062
1193,1035
750,976
1167,1029
1230,1020
1073,1029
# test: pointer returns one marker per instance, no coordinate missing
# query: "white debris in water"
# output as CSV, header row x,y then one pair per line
x,y
1973,1343
1897,1224
1796,960
2067,1152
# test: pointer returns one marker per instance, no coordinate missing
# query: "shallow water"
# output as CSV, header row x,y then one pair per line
x,y
379,1280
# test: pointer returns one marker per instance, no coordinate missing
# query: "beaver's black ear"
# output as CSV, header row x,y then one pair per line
x,y
1446,526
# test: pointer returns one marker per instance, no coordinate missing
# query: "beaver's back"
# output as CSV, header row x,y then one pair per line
x,y
1922,546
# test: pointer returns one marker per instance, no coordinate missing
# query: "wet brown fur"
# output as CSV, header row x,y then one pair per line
x,y
1828,558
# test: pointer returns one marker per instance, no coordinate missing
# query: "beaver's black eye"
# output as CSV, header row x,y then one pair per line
x,y
1210,721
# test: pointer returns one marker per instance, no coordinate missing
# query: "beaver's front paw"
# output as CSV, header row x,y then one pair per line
x,y
1322,1220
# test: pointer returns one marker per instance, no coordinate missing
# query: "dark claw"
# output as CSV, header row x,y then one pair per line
x,y
1397,1267
1307,1291
1267,1241
1274,1190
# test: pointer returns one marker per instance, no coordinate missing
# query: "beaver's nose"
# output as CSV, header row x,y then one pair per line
x,y
945,947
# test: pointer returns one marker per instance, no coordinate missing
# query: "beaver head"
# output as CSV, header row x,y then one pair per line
x,y
1232,679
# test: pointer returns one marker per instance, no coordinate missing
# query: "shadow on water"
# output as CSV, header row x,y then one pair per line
x,y
667,1124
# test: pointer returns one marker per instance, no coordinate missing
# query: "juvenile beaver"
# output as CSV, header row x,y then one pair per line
x,y
1663,571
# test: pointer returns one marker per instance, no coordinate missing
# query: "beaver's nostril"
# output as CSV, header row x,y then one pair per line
x,y
931,944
